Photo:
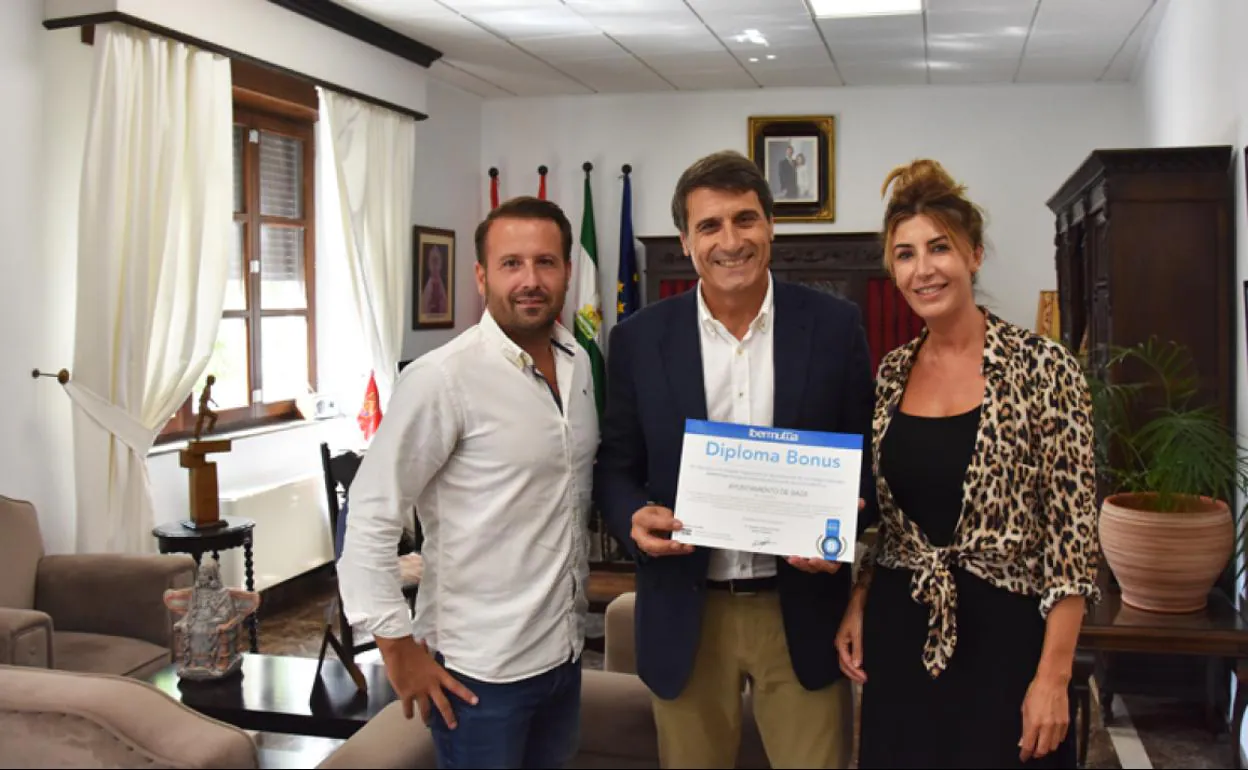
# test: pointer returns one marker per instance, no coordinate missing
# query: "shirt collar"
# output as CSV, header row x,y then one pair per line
x,y
561,339
760,322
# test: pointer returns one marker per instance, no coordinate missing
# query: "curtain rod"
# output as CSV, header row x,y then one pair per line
x,y
135,21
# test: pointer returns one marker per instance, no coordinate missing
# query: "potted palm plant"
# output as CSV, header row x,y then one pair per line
x,y
1172,468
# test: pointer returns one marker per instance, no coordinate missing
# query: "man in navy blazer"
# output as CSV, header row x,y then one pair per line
x,y
741,348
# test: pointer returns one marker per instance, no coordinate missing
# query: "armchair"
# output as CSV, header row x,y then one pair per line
x,y
96,613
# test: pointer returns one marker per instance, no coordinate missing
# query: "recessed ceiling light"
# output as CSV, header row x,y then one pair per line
x,y
828,9
751,36
771,56
753,58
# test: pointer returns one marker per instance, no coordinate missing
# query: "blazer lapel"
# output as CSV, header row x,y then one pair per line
x,y
682,359
790,351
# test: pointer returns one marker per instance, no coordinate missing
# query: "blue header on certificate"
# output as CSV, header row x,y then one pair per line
x,y
775,435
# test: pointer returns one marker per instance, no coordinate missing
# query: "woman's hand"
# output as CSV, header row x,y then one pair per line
x,y
1046,717
849,637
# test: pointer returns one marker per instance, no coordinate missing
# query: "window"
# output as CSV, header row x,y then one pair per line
x,y
265,354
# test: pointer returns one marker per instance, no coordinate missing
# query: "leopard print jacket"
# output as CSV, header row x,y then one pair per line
x,y
1029,519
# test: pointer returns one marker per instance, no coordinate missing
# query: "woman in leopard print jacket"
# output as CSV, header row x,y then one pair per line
x,y
965,616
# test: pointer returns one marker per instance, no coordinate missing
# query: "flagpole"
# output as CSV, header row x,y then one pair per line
x,y
541,188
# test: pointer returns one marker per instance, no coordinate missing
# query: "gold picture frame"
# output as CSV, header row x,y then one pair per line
x,y
797,155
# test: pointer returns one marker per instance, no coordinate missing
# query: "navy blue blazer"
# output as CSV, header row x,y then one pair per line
x,y
823,381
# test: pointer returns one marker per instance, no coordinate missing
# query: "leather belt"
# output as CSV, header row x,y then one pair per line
x,y
743,586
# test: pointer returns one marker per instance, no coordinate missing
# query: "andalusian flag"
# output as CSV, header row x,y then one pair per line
x,y
585,300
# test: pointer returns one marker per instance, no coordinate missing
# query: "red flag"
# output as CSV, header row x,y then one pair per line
x,y
493,188
541,187
369,417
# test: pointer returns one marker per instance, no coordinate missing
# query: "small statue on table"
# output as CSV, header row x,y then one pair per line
x,y
204,496
209,639
206,414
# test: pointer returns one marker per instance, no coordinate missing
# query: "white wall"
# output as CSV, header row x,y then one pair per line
x,y
36,282
1013,146
448,195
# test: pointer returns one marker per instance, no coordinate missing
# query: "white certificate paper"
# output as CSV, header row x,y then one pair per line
x,y
769,490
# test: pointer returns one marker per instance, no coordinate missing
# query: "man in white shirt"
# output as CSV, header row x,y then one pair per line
x,y
491,439
746,349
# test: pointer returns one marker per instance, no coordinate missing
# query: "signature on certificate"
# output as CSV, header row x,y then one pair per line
x,y
761,542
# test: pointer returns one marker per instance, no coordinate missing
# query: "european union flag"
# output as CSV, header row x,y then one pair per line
x,y
628,285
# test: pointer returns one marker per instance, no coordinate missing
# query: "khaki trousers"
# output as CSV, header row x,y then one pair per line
x,y
743,636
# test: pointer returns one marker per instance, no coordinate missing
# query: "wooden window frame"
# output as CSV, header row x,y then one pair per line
x,y
265,101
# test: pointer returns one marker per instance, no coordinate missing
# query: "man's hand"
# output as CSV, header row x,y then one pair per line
x,y
415,676
652,531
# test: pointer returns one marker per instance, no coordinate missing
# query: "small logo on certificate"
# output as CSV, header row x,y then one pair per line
x,y
830,543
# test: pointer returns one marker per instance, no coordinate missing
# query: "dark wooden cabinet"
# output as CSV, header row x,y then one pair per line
x,y
1145,246
849,265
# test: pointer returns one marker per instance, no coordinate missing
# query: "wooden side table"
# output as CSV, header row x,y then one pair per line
x,y
175,538
1218,633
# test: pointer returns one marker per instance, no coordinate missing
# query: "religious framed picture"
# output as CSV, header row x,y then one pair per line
x,y
433,278
797,155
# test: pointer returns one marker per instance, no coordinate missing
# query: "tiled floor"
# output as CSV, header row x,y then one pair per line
x,y
1154,733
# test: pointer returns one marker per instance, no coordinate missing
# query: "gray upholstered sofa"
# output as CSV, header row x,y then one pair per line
x,y
96,613
67,719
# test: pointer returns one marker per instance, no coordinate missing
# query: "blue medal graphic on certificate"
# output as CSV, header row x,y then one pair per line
x,y
830,543
769,490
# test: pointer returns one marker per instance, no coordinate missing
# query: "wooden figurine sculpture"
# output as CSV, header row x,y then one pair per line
x,y
204,497
206,414
210,636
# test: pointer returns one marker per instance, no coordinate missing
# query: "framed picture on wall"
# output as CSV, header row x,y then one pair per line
x,y
797,155
433,278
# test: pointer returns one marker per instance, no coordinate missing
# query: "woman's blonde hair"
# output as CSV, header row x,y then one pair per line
x,y
924,187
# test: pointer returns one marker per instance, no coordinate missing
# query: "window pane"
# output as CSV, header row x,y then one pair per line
x,y
240,147
281,176
236,287
285,353
281,268
229,365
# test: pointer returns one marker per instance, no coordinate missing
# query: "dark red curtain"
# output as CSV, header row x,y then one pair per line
x,y
670,287
890,322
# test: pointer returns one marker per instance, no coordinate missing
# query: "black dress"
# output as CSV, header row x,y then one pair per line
x,y
971,715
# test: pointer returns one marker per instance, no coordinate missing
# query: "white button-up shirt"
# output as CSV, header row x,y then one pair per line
x,y
739,377
500,477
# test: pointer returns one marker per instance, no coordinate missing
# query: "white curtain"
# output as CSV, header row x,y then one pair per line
x,y
155,217
374,156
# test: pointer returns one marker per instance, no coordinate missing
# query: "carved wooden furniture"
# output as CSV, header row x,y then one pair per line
x,y
1144,247
849,265
1215,638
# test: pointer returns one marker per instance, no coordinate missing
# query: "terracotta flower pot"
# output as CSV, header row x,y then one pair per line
x,y
1165,561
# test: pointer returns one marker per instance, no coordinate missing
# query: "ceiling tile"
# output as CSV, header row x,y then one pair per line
x,y
619,76
526,83
806,77
711,81
972,71
1065,69
878,38
567,48
1079,27
447,72
881,73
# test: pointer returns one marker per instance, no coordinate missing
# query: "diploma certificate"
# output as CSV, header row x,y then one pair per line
x,y
769,490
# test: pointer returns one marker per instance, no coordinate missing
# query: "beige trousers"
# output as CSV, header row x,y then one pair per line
x,y
743,636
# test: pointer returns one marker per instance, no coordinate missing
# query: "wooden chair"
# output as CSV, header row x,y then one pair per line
x,y
339,471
